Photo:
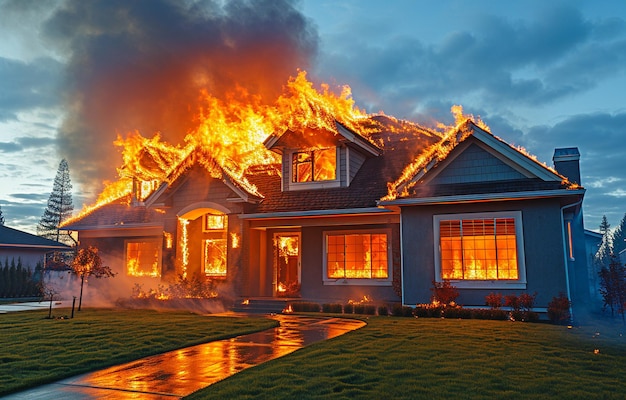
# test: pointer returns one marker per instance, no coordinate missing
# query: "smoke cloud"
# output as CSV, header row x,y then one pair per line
x,y
141,65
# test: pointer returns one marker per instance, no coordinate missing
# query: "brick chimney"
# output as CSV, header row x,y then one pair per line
x,y
566,163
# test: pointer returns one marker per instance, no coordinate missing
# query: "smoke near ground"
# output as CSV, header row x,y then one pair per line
x,y
142,65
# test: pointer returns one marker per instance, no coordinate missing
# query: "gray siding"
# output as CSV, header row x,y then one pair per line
x,y
543,246
356,161
476,165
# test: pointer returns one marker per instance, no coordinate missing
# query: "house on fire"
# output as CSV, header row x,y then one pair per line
x,y
345,216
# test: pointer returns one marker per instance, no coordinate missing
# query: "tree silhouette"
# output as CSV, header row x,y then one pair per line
x,y
613,286
602,257
88,263
1,216
59,207
618,238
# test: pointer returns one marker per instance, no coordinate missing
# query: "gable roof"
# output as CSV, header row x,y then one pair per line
x,y
239,185
521,176
10,237
341,134
399,142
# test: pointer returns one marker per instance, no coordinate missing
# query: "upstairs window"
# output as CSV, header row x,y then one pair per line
x,y
314,165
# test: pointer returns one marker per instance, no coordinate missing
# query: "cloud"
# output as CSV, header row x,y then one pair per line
x,y
499,60
26,143
27,85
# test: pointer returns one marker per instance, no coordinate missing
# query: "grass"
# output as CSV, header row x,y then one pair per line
x,y
407,358
35,350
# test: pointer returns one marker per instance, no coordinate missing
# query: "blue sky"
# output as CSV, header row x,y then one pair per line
x,y
540,74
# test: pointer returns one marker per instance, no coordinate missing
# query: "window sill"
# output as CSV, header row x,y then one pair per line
x,y
513,285
357,282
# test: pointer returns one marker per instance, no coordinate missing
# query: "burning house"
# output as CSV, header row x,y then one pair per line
x,y
327,203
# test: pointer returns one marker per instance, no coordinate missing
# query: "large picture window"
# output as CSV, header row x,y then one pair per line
x,y
357,256
314,165
480,247
143,258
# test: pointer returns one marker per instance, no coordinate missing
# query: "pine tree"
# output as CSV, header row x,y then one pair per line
x,y
59,207
1,216
603,256
618,238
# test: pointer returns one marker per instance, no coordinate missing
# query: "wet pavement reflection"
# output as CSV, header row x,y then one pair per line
x,y
181,372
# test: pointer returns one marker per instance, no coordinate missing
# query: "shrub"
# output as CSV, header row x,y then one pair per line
x,y
527,301
305,307
369,309
359,308
494,300
383,310
332,308
558,309
348,308
444,292
511,300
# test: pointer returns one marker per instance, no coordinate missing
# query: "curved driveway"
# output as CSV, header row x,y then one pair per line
x,y
179,373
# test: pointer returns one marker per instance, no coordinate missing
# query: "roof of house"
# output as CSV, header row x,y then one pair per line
x,y
10,237
408,152
118,214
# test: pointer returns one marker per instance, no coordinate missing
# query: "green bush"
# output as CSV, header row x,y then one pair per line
x,y
348,308
302,306
383,310
332,308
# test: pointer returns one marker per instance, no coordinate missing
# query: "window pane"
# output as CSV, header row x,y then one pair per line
x,y
142,259
302,167
325,164
215,257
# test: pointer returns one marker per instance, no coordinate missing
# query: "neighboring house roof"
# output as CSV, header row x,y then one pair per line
x,y
14,238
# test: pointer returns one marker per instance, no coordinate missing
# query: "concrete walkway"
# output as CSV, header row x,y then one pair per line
x,y
181,372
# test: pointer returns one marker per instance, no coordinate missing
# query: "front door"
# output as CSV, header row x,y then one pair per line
x,y
287,264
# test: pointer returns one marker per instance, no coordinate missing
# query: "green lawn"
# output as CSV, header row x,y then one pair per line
x,y
36,350
407,358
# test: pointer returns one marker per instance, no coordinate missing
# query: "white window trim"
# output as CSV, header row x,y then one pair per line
x,y
158,241
519,283
357,281
313,184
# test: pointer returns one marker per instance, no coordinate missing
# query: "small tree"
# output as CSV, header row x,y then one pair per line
x,y
1,217
613,286
59,207
88,263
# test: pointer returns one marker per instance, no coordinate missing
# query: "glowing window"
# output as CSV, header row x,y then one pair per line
x,y
143,259
357,256
314,165
145,188
212,222
478,249
215,257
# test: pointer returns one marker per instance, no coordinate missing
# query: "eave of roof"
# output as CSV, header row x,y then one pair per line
x,y
482,197
317,213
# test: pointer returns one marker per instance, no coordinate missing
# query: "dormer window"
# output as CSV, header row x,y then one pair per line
x,y
314,165
145,188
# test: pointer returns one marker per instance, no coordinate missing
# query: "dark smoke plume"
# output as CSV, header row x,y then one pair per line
x,y
140,65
